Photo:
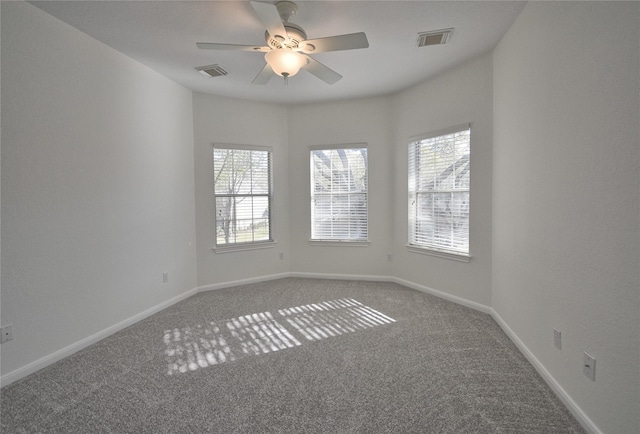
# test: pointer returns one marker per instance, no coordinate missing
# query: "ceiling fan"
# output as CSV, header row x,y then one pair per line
x,y
288,49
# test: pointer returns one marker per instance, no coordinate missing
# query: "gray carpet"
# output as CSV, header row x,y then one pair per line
x,y
294,356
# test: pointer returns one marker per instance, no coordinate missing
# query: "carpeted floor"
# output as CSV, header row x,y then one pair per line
x,y
294,356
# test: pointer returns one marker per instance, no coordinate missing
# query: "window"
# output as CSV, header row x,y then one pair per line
x,y
339,194
243,194
439,179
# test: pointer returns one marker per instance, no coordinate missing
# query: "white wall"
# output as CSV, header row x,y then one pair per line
x,y
97,186
566,217
226,120
344,122
462,95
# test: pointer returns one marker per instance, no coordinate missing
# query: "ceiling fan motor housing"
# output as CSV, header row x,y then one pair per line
x,y
295,36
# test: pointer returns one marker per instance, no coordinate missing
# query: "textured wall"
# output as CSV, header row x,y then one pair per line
x,y
566,216
97,186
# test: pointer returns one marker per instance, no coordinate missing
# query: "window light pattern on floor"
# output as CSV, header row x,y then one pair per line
x,y
332,318
194,347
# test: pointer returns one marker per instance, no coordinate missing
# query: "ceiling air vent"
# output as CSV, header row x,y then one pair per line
x,y
212,71
437,37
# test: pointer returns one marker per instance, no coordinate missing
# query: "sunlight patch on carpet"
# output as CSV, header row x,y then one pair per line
x,y
194,347
332,318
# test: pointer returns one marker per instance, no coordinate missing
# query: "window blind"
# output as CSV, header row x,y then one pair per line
x,y
439,188
243,194
339,194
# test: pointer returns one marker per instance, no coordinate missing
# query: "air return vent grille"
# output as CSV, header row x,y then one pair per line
x,y
212,71
436,37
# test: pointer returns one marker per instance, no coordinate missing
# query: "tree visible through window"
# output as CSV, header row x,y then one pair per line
x,y
242,190
339,194
439,181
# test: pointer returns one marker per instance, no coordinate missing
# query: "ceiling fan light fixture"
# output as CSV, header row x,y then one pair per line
x,y
287,46
285,63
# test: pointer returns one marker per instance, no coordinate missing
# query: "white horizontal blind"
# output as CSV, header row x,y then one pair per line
x,y
242,190
439,181
339,194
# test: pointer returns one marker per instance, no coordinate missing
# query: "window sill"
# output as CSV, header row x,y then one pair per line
x,y
339,243
245,247
440,254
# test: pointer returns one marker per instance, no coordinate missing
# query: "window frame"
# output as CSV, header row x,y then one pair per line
x,y
413,191
245,245
352,242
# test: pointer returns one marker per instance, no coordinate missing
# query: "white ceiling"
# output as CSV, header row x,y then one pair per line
x,y
163,34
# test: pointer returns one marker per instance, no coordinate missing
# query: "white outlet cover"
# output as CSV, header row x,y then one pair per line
x,y
589,366
6,334
557,338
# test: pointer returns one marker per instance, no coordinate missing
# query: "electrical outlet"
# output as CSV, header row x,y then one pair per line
x,y
281,256
165,277
7,333
557,338
589,366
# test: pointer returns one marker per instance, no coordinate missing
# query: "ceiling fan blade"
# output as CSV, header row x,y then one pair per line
x,y
270,18
336,43
324,73
264,76
233,47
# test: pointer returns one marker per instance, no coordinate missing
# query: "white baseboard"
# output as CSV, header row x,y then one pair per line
x,y
330,276
45,361
444,295
232,283
566,399
305,275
